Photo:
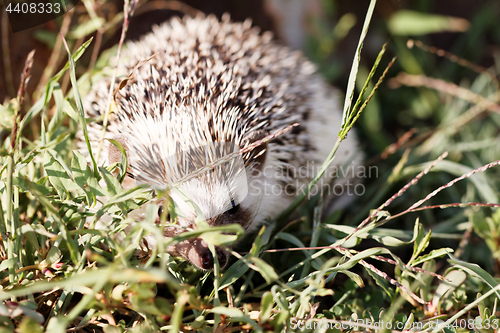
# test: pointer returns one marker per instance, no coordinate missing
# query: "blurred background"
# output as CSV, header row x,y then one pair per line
x,y
326,30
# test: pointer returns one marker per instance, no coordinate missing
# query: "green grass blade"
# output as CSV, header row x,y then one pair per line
x,y
351,83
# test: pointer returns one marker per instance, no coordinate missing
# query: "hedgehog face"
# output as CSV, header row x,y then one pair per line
x,y
196,251
218,195
218,205
215,202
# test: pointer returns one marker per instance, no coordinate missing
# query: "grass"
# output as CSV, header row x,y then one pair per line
x,y
420,246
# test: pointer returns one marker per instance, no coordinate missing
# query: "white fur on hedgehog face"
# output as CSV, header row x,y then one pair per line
x,y
163,160
212,202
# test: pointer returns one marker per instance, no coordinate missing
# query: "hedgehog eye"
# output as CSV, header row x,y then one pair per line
x,y
234,209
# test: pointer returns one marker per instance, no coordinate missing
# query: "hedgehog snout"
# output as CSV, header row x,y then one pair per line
x,y
207,258
198,253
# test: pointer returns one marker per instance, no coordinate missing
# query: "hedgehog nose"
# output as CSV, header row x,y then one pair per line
x,y
207,258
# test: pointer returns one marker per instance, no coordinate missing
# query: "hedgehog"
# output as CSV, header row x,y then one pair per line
x,y
199,90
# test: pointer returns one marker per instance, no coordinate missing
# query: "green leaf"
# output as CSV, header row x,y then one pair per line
x,y
259,241
113,186
53,256
68,109
235,315
111,329
382,283
59,115
280,300
445,288
79,104
218,238
421,240
234,272
176,320
85,179
426,290
30,325
7,263
361,255
57,325
266,306
28,232
163,305
266,270
35,228
408,22
290,238
474,270
86,28
385,236
57,176
29,313
354,277
126,195
73,247
434,254
92,276
229,312
62,104
21,183
230,228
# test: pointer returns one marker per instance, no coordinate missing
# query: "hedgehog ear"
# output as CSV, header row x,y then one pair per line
x,y
114,153
256,157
